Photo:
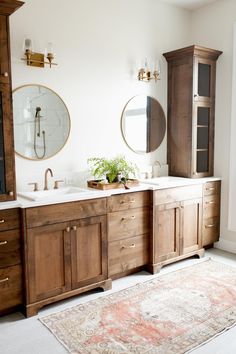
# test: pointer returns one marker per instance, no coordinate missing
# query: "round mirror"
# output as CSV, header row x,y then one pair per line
x,y
143,124
41,122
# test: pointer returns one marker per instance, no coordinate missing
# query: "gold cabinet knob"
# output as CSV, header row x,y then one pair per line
x,y
74,228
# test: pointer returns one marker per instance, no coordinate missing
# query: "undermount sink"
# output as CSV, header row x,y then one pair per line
x,y
53,193
163,180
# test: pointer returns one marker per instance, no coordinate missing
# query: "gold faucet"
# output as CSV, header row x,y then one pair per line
x,y
46,178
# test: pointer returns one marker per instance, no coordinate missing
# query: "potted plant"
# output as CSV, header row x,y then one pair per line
x,y
116,170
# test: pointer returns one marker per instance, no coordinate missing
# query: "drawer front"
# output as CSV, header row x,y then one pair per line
x,y
9,248
127,223
172,195
51,214
211,231
10,287
211,206
211,188
128,201
9,219
127,254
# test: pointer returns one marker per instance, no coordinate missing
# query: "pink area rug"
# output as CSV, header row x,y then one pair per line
x,y
171,314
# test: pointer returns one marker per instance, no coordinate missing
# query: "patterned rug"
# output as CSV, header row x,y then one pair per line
x,y
171,314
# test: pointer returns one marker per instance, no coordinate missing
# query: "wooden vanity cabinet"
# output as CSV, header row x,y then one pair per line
x,y
128,233
211,213
177,225
10,260
191,106
63,259
7,165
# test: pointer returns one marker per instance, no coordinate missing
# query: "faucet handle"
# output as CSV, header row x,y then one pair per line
x,y
35,184
56,183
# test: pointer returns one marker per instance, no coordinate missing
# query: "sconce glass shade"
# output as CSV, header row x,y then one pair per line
x,y
146,74
28,45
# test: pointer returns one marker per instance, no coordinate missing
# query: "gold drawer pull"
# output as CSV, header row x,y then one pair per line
x,y
210,225
67,229
133,217
211,202
4,280
3,243
127,201
129,246
74,228
2,221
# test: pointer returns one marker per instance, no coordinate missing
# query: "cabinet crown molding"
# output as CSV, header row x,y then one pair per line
x,y
192,51
7,7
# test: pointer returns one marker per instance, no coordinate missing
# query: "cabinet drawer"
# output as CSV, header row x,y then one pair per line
x,y
128,201
211,188
127,254
9,219
9,248
172,195
51,214
211,231
10,287
127,223
211,206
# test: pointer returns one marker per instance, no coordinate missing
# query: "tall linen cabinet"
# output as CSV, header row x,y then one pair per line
x,y
191,111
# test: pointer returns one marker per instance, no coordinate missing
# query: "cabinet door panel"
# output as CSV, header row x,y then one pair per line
x,y
4,53
48,261
88,251
166,232
191,225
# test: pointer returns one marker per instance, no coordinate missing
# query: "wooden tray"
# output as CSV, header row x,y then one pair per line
x,y
104,186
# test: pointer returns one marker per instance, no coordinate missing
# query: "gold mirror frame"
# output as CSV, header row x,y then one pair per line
x,y
37,121
152,128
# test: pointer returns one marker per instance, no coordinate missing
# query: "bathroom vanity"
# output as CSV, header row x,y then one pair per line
x,y
72,246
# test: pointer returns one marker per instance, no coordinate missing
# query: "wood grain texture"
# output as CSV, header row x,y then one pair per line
x,y
184,98
88,251
127,223
128,201
10,248
127,254
10,287
51,214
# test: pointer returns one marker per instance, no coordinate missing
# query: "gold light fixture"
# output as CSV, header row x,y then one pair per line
x,y
37,59
145,74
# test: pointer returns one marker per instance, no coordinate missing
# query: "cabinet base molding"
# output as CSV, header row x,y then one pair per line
x,y
32,309
155,268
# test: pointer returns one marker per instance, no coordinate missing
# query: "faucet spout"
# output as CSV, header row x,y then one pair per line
x,y
48,170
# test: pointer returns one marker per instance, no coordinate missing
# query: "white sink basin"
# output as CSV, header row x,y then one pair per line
x,y
163,180
53,193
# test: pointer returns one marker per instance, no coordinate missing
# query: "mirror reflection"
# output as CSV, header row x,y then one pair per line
x,y
41,122
143,124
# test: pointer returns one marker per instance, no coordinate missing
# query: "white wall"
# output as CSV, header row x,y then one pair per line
x,y
213,27
99,46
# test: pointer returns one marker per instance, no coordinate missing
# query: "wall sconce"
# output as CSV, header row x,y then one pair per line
x,y
37,59
145,74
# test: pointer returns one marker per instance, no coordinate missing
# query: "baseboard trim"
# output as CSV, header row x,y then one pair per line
x,y
226,245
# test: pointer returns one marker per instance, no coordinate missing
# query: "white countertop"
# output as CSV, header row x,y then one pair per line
x,y
10,205
147,184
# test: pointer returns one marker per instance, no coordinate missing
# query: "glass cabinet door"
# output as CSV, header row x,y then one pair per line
x,y
203,139
204,79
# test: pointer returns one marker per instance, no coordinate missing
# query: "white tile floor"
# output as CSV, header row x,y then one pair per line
x,y
19,335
